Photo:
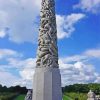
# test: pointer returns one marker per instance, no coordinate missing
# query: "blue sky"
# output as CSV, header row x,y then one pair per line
x,y
78,23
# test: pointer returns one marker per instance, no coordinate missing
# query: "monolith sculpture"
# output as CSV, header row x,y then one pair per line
x,y
47,78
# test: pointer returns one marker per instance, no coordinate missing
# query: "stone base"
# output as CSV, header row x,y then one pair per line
x,y
47,84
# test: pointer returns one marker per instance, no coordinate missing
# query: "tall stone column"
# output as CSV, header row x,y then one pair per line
x,y
47,78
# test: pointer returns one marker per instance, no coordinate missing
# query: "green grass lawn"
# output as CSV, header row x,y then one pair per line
x,y
66,98
20,97
72,96
7,96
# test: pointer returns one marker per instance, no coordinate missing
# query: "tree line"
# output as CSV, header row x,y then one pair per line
x,y
82,88
13,89
77,88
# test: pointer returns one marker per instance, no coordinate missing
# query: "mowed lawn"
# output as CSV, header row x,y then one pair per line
x,y
66,98
20,97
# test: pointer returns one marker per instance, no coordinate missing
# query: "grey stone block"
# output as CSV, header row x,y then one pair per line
x,y
47,84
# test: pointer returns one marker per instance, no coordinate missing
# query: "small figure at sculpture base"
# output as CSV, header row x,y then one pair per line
x,y
91,95
29,95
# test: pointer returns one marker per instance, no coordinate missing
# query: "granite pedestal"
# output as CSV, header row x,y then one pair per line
x,y
47,84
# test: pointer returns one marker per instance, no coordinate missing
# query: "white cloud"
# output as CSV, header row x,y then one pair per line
x,y
78,72
22,82
75,58
98,79
93,53
28,71
3,19
7,78
20,17
78,69
89,5
18,20
74,69
65,24
7,52
2,34
12,62
85,56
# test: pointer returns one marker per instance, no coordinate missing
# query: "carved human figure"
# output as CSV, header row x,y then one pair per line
x,y
91,95
47,54
29,95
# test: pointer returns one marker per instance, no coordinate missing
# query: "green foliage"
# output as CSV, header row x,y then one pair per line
x,y
20,97
82,88
65,97
7,96
13,89
11,92
80,96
